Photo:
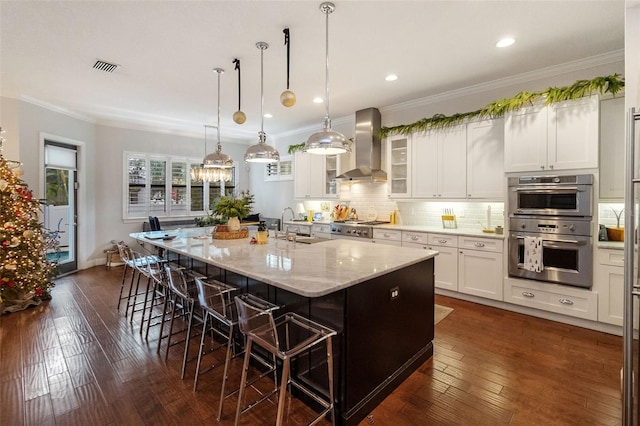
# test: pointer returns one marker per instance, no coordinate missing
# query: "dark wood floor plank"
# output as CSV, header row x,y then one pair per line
x,y
11,402
76,360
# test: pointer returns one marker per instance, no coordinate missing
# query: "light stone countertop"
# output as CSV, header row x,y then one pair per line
x,y
310,270
469,232
613,245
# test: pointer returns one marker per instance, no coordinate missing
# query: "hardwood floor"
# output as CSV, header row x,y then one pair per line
x,y
77,361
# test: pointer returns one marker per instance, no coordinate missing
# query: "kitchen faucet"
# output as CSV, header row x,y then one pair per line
x,y
293,215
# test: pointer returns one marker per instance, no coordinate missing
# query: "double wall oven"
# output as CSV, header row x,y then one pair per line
x,y
554,212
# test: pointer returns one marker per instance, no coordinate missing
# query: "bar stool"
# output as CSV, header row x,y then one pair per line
x,y
180,298
261,328
216,301
131,262
156,292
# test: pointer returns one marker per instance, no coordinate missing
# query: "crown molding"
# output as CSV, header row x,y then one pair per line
x,y
581,64
55,108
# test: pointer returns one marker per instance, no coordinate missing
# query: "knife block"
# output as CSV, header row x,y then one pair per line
x,y
449,221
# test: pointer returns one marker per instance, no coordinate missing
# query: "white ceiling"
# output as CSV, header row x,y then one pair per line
x,y
167,50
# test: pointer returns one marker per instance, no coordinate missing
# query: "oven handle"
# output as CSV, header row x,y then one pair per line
x,y
549,189
579,243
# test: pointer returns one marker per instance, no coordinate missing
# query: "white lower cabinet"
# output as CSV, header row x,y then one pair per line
x,y
391,237
480,267
609,283
446,262
565,300
321,230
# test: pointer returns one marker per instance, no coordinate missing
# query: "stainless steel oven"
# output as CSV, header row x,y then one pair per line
x,y
566,249
551,195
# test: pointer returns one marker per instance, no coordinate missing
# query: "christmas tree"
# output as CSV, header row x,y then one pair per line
x,y
25,272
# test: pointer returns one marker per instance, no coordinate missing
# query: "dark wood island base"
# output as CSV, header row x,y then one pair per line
x,y
385,331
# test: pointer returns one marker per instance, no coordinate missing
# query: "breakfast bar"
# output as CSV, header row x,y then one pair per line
x,y
380,300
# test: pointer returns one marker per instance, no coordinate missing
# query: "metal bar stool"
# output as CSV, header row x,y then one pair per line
x,y
216,301
277,337
141,263
180,299
156,294
131,263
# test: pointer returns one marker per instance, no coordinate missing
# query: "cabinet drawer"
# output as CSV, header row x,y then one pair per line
x,y
324,228
611,257
484,244
574,303
387,234
415,237
443,240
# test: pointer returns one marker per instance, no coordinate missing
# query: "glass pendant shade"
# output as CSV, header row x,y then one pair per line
x,y
327,141
261,152
204,174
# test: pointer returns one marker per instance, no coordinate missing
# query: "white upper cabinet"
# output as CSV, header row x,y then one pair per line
x,y
573,134
525,140
314,175
562,136
485,159
612,148
399,166
439,163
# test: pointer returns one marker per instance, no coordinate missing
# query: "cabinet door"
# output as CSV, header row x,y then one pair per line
x,y
480,273
399,166
612,148
424,178
525,140
330,186
573,134
485,159
446,268
610,300
452,164
301,175
309,176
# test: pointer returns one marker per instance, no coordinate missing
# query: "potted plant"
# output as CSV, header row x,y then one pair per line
x,y
231,209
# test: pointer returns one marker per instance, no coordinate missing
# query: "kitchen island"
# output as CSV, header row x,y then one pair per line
x,y
378,298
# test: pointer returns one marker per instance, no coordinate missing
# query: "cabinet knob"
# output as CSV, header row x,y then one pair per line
x,y
468,195
551,167
565,301
542,167
528,294
442,241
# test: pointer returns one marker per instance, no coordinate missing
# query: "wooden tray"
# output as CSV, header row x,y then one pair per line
x,y
221,233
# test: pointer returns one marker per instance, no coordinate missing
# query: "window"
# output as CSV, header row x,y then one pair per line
x,y
282,170
162,186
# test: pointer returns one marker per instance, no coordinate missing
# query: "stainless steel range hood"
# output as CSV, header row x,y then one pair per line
x,y
368,148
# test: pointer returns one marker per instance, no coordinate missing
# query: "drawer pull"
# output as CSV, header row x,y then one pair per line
x,y
479,244
415,237
565,301
528,294
386,235
442,241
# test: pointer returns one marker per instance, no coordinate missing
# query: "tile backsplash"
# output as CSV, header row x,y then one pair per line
x,y
365,197
607,214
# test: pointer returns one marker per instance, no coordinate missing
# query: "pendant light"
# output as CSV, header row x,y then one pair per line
x,y
327,141
288,98
218,159
239,117
261,152
210,174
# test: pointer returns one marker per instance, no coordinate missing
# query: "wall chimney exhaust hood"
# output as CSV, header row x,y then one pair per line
x,y
368,149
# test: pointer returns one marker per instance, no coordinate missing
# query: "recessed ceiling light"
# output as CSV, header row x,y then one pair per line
x,y
391,77
267,115
318,100
507,41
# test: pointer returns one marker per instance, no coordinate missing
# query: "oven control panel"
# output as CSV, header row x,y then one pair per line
x,y
551,226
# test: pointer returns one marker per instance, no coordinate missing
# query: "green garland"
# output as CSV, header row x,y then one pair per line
x,y
496,109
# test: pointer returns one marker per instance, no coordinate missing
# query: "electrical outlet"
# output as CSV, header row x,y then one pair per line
x,y
394,293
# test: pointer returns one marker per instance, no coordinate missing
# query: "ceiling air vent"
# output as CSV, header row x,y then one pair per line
x,y
105,66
